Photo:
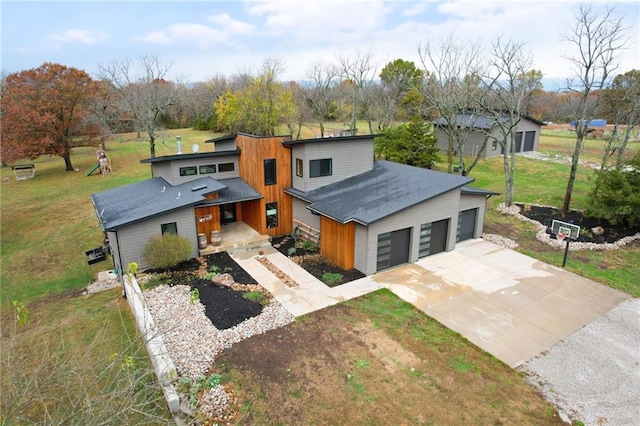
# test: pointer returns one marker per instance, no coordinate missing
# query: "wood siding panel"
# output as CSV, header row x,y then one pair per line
x,y
206,227
337,242
254,150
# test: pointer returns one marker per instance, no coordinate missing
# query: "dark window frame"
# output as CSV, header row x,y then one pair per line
x,y
272,219
270,172
203,169
224,167
184,171
299,167
321,167
169,228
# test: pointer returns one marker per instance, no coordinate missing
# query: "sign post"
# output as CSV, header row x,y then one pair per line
x,y
566,231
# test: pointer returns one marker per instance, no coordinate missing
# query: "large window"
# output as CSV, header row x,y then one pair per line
x,y
209,168
299,167
169,228
319,168
188,171
226,167
270,171
272,215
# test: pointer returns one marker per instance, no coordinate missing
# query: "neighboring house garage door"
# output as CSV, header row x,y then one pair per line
x,y
433,237
529,139
466,224
393,248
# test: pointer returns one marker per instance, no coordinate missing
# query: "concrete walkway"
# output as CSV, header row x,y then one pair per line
x,y
511,305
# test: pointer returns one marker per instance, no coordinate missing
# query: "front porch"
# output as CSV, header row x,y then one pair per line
x,y
237,236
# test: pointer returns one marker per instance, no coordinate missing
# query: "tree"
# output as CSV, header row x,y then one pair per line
x,y
46,110
412,143
510,83
452,86
401,89
321,95
597,37
260,107
360,70
620,103
145,96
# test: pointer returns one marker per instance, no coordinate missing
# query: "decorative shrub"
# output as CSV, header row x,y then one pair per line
x,y
167,250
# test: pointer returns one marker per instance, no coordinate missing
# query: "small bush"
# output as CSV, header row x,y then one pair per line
x,y
255,296
167,250
332,277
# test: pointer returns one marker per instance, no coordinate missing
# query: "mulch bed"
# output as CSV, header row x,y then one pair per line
x,y
313,263
225,307
545,215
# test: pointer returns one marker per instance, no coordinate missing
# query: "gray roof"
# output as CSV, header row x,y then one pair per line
x,y
477,121
387,189
328,139
131,203
236,191
477,191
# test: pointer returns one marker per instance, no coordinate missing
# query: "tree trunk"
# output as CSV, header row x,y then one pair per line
x,y
575,159
67,161
623,146
152,146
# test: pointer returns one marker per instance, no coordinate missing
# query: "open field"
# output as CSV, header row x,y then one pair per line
x,y
48,223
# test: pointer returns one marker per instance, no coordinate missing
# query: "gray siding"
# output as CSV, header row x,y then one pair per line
x,y
113,242
225,145
467,202
444,206
361,251
304,215
133,238
170,170
349,158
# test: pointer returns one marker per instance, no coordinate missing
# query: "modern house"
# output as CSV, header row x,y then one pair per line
x,y
367,215
527,134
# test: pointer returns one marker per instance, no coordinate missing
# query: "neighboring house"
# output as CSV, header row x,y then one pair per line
x,y
368,215
527,134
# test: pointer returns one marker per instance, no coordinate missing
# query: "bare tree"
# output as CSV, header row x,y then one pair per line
x,y
452,86
321,95
597,38
144,95
361,71
510,83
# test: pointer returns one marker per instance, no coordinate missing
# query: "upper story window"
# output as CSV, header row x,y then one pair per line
x,y
299,167
209,168
226,167
188,171
270,171
169,228
321,167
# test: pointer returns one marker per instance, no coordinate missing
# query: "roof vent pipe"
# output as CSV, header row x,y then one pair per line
x,y
179,139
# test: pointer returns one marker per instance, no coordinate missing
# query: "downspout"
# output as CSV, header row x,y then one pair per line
x,y
120,275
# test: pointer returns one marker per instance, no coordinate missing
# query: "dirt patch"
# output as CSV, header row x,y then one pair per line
x,y
545,215
387,350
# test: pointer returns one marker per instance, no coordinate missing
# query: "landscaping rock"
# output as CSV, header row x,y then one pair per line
x,y
223,280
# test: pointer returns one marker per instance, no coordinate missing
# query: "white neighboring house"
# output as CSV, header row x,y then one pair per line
x,y
527,134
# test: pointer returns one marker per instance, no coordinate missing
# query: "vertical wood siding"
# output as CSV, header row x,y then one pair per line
x,y
208,226
254,151
337,242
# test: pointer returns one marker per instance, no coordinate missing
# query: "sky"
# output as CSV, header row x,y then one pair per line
x,y
203,39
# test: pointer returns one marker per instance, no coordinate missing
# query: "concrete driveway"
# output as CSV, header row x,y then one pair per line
x,y
511,305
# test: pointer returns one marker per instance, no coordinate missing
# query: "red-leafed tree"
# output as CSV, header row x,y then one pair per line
x,y
46,110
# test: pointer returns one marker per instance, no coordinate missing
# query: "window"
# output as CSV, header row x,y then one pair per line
x,y
169,228
270,171
272,215
299,168
319,168
226,167
188,171
494,145
209,168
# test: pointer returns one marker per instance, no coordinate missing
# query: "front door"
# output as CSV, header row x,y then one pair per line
x,y
228,213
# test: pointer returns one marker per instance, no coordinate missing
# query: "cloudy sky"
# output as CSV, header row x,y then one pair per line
x,y
201,39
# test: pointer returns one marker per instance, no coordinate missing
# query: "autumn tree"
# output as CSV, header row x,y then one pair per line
x,y
259,108
452,85
620,104
144,94
321,95
360,70
597,38
46,111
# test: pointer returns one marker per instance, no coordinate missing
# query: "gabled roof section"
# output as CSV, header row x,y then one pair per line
x,y
189,156
478,120
232,136
477,191
387,189
328,139
132,203
236,191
